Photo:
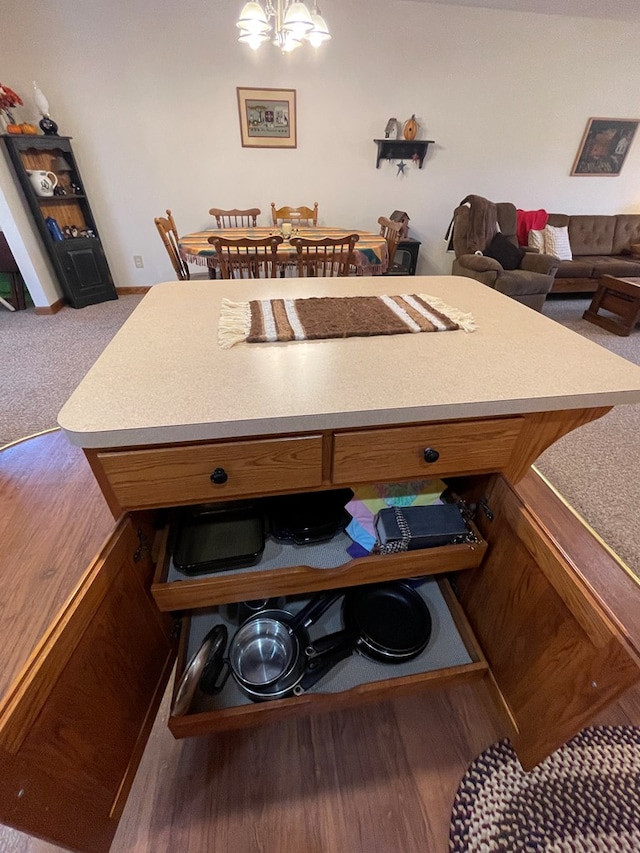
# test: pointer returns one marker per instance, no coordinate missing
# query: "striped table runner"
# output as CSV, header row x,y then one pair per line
x,y
316,318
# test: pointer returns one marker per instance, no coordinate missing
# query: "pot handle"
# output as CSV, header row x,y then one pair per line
x,y
321,665
314,609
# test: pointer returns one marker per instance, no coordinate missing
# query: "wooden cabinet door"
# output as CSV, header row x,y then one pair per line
x,y
74,726
84,274
557,652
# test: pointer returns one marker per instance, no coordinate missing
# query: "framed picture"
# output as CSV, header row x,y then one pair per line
x,y
267,118
604,146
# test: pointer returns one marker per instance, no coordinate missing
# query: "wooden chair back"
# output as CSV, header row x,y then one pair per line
x,y
327,257
168,232
391,232
247,258
236,218
295,215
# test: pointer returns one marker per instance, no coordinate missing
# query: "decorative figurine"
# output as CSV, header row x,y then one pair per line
x,y
410,128
392,130
59,190
76,189
47,124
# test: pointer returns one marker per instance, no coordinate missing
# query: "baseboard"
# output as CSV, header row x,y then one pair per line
x,y
60,303
128,291
51,309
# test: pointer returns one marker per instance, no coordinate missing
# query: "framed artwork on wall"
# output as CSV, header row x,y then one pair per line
x,y
604,147
267,118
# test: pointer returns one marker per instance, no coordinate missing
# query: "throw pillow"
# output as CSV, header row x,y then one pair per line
x,y
501,249
556,242
536,241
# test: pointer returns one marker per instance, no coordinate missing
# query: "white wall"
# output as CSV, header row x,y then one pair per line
x,y
148,91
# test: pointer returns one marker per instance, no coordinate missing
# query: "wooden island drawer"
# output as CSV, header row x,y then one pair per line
x,y
451,656
171,476
436,449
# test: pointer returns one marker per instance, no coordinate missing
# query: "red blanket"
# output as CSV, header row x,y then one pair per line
x,y
529,220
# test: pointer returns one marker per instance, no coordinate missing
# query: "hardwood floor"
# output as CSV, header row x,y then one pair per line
x,y
372,780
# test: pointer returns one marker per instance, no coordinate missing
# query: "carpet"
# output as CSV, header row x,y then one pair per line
x,y
584,798
317,318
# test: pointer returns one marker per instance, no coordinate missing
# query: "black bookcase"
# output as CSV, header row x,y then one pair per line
x,y
74,245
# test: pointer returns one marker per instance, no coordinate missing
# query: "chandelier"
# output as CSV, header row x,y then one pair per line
x,y
292,24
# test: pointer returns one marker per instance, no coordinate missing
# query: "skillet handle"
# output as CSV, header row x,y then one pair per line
x,y
330,642
314,609
320,666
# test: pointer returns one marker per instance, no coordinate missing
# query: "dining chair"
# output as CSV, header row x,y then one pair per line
x,y
166,226
245,257
391,231
295,215
236,218
327,257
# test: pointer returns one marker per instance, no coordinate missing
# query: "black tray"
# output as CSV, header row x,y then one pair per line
x,y
309,517
225,538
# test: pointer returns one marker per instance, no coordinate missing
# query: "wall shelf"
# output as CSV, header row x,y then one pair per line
x,y
402,149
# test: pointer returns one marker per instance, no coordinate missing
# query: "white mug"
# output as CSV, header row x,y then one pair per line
x,y
43,182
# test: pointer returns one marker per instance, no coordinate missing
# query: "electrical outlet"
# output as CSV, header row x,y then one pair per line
x,y
137,260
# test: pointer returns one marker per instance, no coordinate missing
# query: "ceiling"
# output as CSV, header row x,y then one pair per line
x,y
618,10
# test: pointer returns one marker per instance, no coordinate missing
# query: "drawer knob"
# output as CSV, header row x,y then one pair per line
x,y
219,476
431,454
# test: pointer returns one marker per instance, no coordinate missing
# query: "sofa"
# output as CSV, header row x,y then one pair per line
x,y
600,245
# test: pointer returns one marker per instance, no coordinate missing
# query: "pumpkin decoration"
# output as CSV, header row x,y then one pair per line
x,y
410,128
28,128
13,128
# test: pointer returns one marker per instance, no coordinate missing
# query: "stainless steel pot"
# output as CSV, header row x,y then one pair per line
x,y
267,646
266,654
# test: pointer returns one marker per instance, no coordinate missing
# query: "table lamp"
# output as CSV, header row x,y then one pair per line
x,y
47,124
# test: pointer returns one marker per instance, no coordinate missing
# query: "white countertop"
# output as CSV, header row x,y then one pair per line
x,y
164,378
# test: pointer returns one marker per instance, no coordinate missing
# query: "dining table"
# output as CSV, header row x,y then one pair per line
x,y
371,255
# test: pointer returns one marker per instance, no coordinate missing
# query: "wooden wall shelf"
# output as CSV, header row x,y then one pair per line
x,y
402,149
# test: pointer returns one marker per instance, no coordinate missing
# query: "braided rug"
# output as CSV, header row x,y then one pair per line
x,y
584,798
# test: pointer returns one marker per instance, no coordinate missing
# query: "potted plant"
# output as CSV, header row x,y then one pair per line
x,y
8,100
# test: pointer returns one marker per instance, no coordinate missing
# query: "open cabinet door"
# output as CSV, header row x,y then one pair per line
x,y
74,726
557,651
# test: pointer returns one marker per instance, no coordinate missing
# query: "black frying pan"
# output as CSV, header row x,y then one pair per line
x,y
387,622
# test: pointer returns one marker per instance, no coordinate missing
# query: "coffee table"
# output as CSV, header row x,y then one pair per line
x,y
621,298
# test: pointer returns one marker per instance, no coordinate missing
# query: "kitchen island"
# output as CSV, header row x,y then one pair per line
x,y
546,619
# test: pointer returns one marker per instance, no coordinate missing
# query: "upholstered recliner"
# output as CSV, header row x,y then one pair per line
x,y
476,221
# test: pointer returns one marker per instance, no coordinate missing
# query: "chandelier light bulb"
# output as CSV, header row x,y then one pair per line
x,y
253,19
297,20
287,22
289,43
254,40
320,32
